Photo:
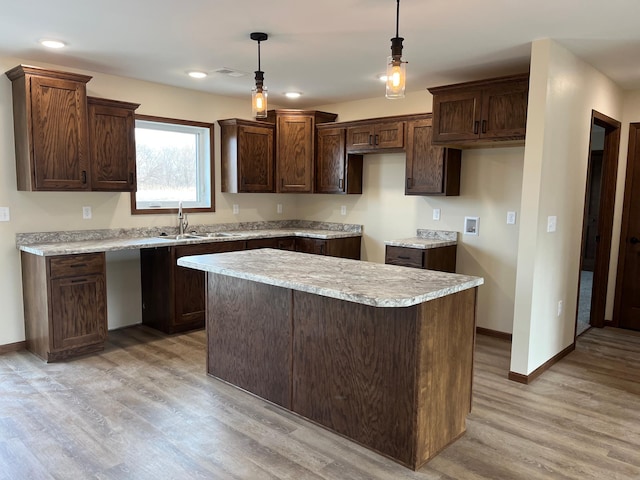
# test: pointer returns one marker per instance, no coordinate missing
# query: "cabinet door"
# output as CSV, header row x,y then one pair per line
x,y
286,243
311,245
113,147
59,134
361,138
504,111
330,161
255,159
375,136
78,306
430,169
457,116
295,154
389,135
190,290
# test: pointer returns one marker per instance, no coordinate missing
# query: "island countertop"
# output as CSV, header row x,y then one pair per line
x,y
368,283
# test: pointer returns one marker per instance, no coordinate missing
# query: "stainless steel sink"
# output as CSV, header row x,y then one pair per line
x,y
182,236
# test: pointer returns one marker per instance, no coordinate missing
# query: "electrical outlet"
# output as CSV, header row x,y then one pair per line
x,y
560,305
4,214
552,223
279,208
86,213
436,214
236,209
511,218
343,210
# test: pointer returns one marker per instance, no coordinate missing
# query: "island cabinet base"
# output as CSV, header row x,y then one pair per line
x,y
396,380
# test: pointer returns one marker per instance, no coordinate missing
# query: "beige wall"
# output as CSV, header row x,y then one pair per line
x,y
563,92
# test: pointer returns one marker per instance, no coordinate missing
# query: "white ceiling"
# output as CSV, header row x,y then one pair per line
x,y
331,50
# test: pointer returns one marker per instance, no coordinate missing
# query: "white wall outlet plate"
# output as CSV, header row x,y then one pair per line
x,y
4,214
236,209
552,223
343,210
511,218
86,213
436,214
279,208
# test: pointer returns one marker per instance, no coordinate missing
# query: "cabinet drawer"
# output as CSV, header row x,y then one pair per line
x,y
76,265
406,257
206,248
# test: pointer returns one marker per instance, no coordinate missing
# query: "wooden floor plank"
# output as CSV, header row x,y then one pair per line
x,y
144,408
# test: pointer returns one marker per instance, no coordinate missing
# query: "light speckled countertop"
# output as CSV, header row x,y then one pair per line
x,y
368,283
426,239
91,241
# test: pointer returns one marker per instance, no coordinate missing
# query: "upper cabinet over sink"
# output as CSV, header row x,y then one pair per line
x,y
65,141
482,112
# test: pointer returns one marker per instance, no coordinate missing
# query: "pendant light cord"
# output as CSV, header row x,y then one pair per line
x,y
397,19
259,53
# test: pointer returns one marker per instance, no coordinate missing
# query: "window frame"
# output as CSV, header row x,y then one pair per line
x,y
174,211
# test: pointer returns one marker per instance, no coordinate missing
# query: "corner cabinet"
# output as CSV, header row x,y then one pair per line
x,y
296,148
65,305
430,169
336,170
50,128
112,144
247,162
481,112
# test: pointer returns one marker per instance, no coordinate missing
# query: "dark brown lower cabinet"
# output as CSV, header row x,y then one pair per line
x,y
439,258
65,305
173,297
335,247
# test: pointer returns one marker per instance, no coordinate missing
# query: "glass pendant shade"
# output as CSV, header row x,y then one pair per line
x,y
259,102
396,77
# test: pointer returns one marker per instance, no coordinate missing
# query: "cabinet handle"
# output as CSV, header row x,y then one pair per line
x,y
404,257
282,182
84,176
78,265
322,249
341,184
370,139
633,240
130,178
476,124
484,126
79,280
377,137
409,182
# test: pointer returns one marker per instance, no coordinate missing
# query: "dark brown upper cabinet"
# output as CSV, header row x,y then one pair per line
x,y
296,147
247,149
371,135
430,169
481,112
112,144
50,128
336,170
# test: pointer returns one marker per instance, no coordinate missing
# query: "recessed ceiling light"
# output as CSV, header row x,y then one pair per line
x,y
52,43
293,94
195,74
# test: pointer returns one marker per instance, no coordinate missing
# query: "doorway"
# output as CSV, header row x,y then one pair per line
x,y
597,222
626,310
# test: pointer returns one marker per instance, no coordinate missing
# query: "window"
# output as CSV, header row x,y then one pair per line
x,y
173,164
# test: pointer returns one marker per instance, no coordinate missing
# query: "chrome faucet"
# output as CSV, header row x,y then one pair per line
x,y
183,223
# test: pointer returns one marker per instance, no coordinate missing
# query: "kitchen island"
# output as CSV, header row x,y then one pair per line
x,y
378,353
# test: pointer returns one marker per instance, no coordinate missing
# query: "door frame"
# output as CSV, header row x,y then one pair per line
x,y
633,160
605,216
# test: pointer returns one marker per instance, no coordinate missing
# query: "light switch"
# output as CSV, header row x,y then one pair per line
x,y
511,218
436,214
4,214
552,223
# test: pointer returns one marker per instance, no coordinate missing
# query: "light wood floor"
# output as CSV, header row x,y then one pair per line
x,y
145,409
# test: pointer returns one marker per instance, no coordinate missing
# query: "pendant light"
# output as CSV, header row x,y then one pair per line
x,y
396,66
259,92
